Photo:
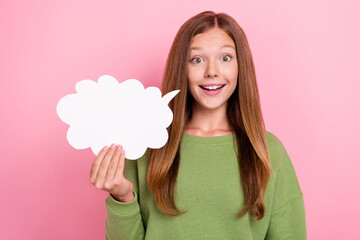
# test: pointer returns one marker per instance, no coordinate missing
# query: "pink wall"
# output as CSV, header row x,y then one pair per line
x,y
307,61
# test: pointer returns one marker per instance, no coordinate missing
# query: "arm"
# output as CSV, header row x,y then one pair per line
x,y
123,220
287,220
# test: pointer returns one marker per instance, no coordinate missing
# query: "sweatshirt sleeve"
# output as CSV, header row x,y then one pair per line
x,y
123,219
287,220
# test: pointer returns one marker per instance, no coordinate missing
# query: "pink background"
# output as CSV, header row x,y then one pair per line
x,y
306,55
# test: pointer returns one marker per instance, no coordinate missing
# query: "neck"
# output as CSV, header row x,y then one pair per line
x,y
208,122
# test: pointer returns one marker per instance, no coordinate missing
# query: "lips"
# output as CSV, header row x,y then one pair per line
x,y
212,89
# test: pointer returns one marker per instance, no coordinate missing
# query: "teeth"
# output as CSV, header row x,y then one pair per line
x,y
212,87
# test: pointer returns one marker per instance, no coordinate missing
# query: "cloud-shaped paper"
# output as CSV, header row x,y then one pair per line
x,y
109,112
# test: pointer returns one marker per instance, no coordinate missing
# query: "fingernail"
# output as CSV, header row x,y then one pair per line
x,y
105,148
113,146
118,147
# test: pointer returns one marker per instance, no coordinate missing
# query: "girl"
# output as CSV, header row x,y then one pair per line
x,y
221,175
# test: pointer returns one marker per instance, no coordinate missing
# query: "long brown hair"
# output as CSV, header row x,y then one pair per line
x,y
243,112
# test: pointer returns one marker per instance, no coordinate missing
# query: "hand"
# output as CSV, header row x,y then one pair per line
x,y
107,173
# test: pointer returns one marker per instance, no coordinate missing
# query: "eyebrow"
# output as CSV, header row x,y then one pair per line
x,y
224,46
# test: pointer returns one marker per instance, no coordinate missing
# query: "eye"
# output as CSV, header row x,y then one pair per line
x,y
196,60
226,58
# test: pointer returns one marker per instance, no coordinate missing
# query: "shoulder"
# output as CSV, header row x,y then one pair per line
x,y
277,152
273,141
284,182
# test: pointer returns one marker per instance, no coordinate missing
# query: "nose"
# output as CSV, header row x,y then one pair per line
x,y
212,70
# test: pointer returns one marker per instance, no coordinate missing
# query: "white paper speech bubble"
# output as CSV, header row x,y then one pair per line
x,y
109,112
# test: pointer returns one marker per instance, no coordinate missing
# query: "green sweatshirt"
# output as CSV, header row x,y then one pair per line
x,y
209,188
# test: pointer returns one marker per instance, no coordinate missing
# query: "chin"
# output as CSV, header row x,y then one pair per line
x,y
211,106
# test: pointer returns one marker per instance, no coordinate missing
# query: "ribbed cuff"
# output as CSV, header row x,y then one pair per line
x,y
123,209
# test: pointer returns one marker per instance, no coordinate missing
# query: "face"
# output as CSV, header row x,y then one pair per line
x,y
212,69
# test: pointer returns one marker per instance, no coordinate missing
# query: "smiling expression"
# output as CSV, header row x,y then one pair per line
x,y
212,69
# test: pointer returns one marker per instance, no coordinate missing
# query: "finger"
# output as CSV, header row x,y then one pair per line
x,y
120,168
104,165
113,164
96,164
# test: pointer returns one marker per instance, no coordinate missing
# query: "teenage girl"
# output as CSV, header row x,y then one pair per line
x,y
221,175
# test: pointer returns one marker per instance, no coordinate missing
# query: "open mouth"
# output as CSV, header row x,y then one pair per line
x,y
212,88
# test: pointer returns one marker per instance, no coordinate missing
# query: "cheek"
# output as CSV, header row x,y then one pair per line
x,y
194,70
231,73
191,80
193,75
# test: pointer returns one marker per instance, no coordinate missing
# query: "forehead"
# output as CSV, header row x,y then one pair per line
x,y
213,38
